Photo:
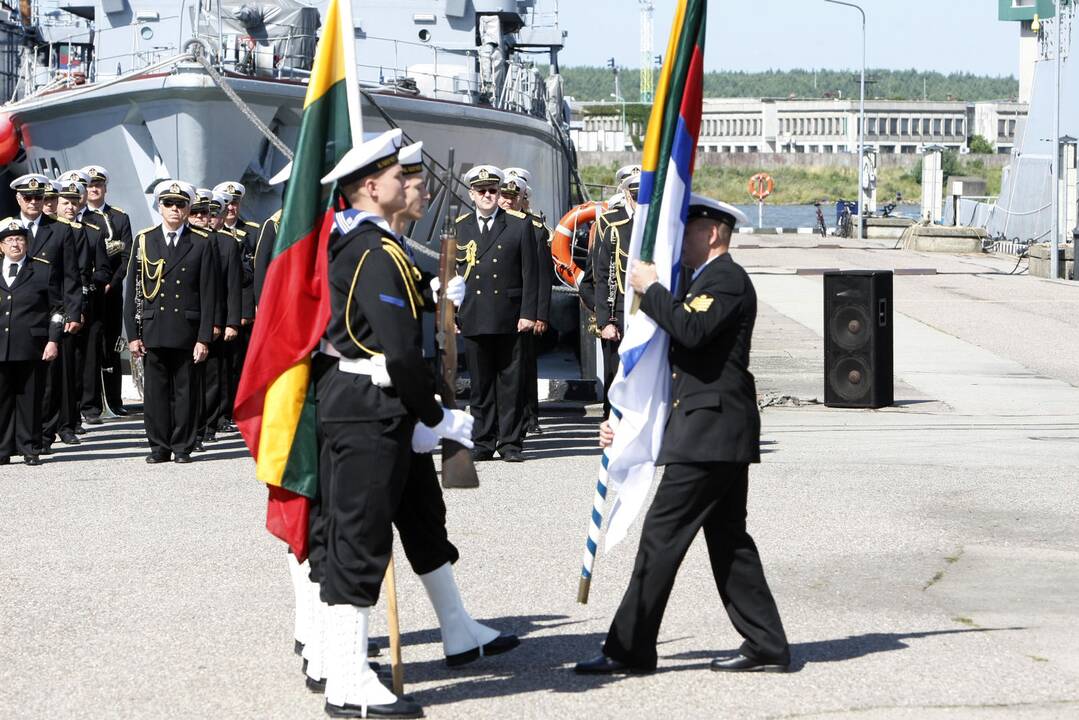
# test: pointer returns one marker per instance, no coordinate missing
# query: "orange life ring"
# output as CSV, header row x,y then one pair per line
x,y
761,185
562,240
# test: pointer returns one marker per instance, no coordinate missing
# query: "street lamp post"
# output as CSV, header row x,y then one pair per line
x,y
861,120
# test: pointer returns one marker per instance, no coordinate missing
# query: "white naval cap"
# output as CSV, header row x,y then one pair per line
x,y
518,173
233,189
31,183
367,158
514,186
174,190
411,158
616,200
702,207
203,197
483,175
626,171
77,175
71,188
282,175
218,201
96,172
12,226
54,188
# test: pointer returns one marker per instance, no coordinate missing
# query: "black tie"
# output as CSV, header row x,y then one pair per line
x,y
484,229
12,270
172,239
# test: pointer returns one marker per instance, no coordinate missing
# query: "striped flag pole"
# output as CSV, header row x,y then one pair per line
x,y
596,524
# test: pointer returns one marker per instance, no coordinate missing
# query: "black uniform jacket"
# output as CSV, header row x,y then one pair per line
x,y
544,267
178,287
84,238
264,251
375,308
245,233
714,416
111,256
25,312
230,279
500,273
55,243
615,231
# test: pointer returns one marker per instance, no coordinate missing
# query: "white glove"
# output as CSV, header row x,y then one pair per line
x,y
379,376
455,425
455,290
424,439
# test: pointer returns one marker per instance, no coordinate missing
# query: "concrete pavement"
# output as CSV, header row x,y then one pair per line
x,y
924,557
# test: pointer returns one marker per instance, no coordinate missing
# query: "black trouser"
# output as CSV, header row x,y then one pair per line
x,y
112,374
217,379
72,357
690,497
530,379
494,366
20,407
93,333
237,355
609,350
52,396
169,384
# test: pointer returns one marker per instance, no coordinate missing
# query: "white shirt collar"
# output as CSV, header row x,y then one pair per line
x,y
8,263
699,270
32,224
480,218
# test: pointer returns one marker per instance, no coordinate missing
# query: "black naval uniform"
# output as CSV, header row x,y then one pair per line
x,y
367,467
92,336
712,435
54,242
264,251
499,268
176,314
217,379
544,279
26,310
73,346
109,268
615,231
245,233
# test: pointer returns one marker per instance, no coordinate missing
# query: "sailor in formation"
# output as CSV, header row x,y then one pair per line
x,y
170,297
614,229
109,268
52,242
496,255
711,437
377,410
32,328
206,214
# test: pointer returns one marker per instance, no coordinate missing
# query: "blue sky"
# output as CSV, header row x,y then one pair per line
x,y
941,35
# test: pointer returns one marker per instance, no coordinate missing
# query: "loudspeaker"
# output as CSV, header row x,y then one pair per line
x,y
858,338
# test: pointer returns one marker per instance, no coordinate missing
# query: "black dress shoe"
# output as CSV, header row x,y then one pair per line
x,y
94,420
512,456
603,665
80,430
70,439
154,458
481,455
210,437
32,460
401,709
741,663
46,449
315,686
503,643
182,458
120,412
198,447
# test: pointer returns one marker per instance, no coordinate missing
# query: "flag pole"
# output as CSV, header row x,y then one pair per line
x,y
595,525
395,630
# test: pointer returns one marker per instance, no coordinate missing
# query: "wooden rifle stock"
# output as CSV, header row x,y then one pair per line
x,y
458,470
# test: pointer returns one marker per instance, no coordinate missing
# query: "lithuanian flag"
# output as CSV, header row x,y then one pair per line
x,y
274,409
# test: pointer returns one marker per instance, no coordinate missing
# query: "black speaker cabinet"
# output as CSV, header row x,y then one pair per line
x,y
858,338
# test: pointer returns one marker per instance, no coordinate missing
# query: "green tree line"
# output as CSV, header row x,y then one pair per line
x,y
593,83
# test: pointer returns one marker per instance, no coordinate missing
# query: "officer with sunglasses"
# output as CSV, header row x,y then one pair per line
x,y
170,296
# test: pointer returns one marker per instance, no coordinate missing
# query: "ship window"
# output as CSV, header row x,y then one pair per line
x,y
146,32
425,35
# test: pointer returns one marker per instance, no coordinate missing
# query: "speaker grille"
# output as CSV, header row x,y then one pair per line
x,y
850,327
858,339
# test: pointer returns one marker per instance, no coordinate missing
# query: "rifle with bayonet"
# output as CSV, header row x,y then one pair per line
x,y
458,471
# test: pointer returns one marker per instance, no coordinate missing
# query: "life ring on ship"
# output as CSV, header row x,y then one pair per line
x,y
565,266
761,185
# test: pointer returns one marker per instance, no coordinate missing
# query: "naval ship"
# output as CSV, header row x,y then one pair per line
x,y
140,87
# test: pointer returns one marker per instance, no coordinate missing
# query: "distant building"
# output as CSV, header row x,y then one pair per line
x,y
749,125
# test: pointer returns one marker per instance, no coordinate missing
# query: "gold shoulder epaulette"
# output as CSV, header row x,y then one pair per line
x,y
41,259
65,221
516,213
200,233
117,209
276,217
146,230
536,222
251,224
612,211
463,217
90,224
